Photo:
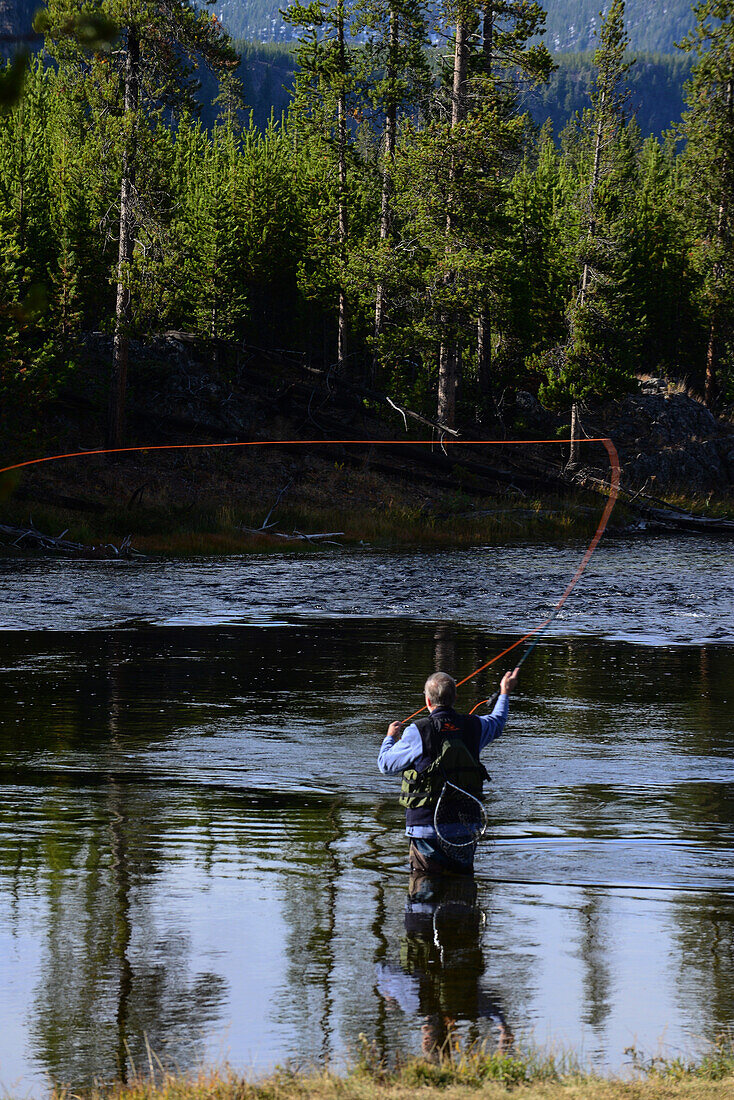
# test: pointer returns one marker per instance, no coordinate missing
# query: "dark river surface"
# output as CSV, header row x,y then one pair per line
x,y
199,857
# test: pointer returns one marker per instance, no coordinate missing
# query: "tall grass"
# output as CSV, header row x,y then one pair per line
x,y
223,528
453,1073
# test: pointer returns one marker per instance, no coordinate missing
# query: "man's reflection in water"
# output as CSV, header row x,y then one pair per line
x,y
441,963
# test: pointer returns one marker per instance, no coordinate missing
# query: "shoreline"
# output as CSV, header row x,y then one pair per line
x,y
237,528
201,533
213,503
455,1076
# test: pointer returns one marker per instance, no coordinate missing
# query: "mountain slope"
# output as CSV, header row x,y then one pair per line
x,y
16,18
656,85
654,25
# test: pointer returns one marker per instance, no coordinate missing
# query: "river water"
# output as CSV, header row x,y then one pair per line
x,y
199,859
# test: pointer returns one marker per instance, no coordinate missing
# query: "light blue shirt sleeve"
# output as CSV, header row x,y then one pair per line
x,y
494,723
396,756
394,984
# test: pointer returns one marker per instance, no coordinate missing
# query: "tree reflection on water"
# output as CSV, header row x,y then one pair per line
x,y
195,844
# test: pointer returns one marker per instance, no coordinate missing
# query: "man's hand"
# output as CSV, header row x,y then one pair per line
x,y
393,730
508,681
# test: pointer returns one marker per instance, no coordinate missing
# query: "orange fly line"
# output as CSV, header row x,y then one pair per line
x,y
534,633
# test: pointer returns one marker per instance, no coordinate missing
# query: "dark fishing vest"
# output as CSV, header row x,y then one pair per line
x,y
454,738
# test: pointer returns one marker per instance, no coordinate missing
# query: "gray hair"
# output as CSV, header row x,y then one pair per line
x,y
441,689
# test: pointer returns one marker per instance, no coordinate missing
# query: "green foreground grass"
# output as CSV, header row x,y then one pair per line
x,y
459,1076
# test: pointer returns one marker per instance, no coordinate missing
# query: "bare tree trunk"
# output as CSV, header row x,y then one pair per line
x,y
596,173
573,457
123,313
712,351
341,355
461,56
447,381
447,360
390,130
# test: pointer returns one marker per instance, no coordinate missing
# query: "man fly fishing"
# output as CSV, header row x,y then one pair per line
x,y
438,757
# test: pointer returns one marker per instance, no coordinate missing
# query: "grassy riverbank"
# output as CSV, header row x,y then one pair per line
x,y
217,504
228,529
213,503
479,1076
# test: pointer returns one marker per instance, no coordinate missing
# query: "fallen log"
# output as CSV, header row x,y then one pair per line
x,y
658,513
683,521
325,537
315,538
33,539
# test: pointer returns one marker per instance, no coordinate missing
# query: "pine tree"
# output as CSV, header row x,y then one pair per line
x,y
66,303
545,222
11,294
397,80
657,280
209,260
24,168
324,94
708,127
598,357
27,255
451,250
608,101
509,57
488,65
82,189
149,70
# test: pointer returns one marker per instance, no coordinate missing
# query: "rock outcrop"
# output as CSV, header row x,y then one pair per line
x,y
672,441
666,439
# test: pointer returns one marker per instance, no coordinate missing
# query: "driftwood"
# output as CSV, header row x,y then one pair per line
x,y
278,499
687,521
30,538
325,537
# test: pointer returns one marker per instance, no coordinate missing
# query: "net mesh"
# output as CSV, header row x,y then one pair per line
x,y
460,821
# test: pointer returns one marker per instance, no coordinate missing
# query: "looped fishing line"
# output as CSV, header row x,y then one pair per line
x,y
536,633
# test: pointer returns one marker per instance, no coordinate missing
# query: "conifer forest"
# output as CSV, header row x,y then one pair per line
x,y
405,222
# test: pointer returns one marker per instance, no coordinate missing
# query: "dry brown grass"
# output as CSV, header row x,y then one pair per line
x,y
458,1074
327,1086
